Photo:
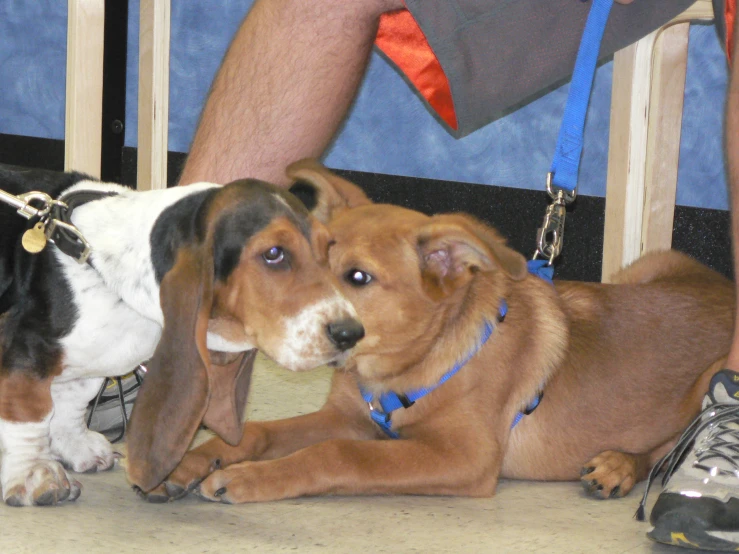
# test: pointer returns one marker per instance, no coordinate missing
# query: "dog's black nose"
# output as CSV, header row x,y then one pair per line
x,y
345,333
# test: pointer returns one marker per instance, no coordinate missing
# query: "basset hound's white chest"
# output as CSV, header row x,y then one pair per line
x,y
109,337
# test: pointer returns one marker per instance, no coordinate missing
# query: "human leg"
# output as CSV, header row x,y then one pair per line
x,y
699,507
284,87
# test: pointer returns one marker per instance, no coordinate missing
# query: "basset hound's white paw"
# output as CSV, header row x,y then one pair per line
x,y
37,483
86,452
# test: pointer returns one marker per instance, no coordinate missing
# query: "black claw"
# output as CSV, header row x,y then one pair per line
x,y
616,490
220,492
49,498
75,490
194,485
157,498
141,494
14,501
586,470
175,491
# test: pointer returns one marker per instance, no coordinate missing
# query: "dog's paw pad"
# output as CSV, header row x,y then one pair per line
x,y
610,474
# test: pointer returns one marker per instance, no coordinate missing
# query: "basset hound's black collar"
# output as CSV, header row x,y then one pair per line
x,y
70,243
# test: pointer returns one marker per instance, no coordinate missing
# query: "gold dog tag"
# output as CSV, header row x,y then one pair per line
x,y
34,239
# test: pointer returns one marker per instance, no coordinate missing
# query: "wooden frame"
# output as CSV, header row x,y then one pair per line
x,y
153,94
84,101
644,141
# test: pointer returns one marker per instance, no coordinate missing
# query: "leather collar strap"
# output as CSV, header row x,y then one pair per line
x,y
66,241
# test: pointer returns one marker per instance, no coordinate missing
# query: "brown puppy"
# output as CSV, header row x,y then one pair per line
x,y
622,367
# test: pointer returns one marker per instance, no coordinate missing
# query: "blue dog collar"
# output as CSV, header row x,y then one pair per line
x,y
391,401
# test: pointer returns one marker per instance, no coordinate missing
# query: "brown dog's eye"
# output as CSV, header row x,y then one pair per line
x,y
357,277
274,255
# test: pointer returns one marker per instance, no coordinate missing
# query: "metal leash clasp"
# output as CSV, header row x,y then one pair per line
x,y
34,239
550,236
22,203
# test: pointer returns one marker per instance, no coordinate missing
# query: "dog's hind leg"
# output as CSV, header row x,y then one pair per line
x,y
77,447
668,265
612,474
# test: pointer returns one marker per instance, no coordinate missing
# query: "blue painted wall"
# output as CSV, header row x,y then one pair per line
x,y
388,130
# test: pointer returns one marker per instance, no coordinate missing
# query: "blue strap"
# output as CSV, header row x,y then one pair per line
x,y
391,401
569,142
541,269
530,408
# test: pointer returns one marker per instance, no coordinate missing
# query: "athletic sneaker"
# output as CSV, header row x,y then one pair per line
x,y
699,506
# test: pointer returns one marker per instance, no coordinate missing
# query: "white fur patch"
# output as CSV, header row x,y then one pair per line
x,y
120,317
27,462
306,344
219,344
71,441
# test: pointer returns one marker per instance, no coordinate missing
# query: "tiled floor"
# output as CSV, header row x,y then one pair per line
x,y
523,517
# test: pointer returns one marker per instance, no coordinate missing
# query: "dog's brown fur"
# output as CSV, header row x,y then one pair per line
x,y
623,367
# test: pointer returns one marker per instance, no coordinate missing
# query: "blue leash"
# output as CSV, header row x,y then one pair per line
x,y
562,177
561,186
567,153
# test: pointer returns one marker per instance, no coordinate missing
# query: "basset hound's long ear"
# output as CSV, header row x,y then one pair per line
x,y
229,387
451,250
322,191
174,395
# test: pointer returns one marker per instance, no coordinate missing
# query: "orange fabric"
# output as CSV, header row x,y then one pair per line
x,y
402,40
729,17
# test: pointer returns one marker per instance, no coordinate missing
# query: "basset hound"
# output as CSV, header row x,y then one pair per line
x,y
194,279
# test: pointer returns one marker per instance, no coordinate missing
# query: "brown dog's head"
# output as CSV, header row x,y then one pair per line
x,y
405,272
242,267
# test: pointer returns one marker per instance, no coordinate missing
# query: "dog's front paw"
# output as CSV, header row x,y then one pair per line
x,y
236,484
86,452
610,474
190,472
158,495
41,483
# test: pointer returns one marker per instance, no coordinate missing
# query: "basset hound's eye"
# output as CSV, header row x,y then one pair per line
x,y
274,256
357,277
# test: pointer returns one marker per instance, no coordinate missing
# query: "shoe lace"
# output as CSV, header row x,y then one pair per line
x,y
720,438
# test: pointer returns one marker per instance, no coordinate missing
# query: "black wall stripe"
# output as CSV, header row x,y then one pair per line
x,y
114,89
516,213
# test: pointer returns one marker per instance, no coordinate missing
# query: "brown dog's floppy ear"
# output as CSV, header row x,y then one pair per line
x,y
322,191
172,400
229,387
504,257
451,252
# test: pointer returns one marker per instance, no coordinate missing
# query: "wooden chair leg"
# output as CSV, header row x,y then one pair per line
x,y
84,100
153,94
644,143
